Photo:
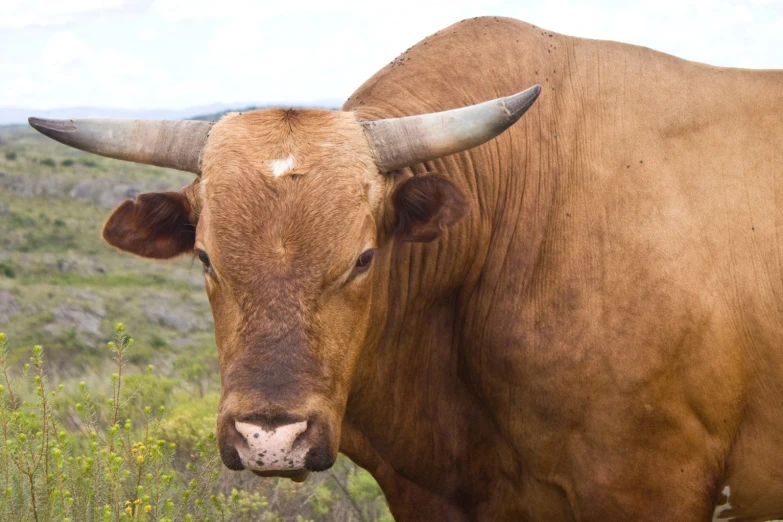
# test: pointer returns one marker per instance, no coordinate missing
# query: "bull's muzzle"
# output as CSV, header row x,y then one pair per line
x,y
275,449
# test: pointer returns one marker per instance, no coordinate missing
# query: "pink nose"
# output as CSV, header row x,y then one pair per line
x,y
272,449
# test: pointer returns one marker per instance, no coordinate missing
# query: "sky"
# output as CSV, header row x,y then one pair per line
x,y
156,54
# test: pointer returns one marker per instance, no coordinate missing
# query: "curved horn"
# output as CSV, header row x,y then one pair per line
x,y
164,143
401,142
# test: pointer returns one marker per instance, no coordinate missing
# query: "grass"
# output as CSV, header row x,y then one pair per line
x,y
131,445
51,254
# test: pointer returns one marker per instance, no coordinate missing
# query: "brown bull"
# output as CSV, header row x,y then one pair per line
x,y
580,319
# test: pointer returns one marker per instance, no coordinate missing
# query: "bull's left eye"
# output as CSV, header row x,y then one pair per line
x,y
363,263
204,258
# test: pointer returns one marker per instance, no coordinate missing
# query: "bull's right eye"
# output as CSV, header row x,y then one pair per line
x,y
363,263
204,258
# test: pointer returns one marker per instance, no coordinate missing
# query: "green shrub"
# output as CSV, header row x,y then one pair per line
x,y
157,342
68,162
124,471
49,162
69,338
118,454
192,420
88,163
198,367
10,155
43,233
7,269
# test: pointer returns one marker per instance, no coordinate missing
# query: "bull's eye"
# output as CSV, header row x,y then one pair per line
x,y
363,263
204,258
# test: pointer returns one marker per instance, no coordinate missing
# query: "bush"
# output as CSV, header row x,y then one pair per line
x,y
84,455
88,163
123,473
7,269
157,342
48,161
10,155
68,162
193,420
198,367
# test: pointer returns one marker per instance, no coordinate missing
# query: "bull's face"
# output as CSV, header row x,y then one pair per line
x,y
290,207
293,217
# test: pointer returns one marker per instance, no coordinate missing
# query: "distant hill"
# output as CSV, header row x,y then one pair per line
x,y
13,115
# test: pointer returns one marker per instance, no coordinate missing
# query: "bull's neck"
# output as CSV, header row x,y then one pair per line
x,y
411,377
415,381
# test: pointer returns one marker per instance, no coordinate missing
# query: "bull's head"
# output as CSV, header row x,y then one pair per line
x,y
291,215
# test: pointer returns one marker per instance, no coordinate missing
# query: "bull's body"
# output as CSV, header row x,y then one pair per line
x,y
601,338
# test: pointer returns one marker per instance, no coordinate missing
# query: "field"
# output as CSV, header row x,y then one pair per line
x,y
63,288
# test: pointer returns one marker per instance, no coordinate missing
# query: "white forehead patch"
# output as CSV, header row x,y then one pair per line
x,y
280,167
716,515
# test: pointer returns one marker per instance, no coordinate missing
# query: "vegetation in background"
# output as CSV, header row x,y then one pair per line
x,y
59,281
7,269
60,284
114,454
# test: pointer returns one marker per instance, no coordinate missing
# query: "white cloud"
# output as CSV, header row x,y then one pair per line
x,y
21,14
64,49
736,33
294,53
179,10
175,53
68,72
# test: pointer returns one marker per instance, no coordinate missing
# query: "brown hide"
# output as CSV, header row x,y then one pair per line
x,y
600,338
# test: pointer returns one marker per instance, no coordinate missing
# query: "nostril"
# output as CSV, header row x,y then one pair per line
x,y
230,441
301,437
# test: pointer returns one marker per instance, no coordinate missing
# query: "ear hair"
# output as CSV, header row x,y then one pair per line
x,y
425,205
156,225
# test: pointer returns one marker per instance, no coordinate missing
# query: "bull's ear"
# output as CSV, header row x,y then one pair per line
x,y
156,225
425,205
